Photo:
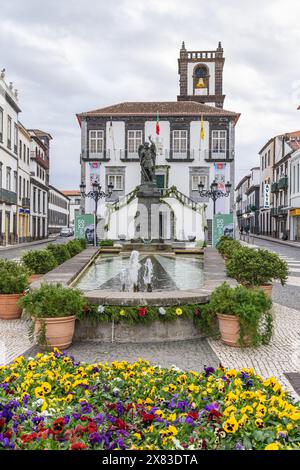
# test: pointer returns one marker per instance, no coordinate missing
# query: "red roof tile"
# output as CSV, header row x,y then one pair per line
x,y
163,108
71,192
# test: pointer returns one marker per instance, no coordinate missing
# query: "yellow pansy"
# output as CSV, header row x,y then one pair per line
x,y
273,446
39,392
231,425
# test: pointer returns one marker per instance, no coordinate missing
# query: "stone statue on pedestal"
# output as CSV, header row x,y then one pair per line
x,y
147,156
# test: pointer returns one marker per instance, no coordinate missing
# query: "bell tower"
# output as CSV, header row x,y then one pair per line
x,y
201,76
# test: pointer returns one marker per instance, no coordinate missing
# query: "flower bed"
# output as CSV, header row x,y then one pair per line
x,y
53,402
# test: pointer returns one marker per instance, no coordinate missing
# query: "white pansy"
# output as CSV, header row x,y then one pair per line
x,y
161,311
101,309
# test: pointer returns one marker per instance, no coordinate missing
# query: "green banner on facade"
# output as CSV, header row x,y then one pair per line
x,y
84,227
222,225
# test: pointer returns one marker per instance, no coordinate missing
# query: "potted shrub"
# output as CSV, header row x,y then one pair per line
x,y
74,247
53,309
60,252
13,283
257,268
227,246
83,243
106,243
244,315
38,262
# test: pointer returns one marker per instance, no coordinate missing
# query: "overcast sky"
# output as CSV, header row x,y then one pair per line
x,y
69,56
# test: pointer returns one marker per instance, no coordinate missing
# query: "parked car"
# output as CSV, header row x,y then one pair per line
x,y
66,232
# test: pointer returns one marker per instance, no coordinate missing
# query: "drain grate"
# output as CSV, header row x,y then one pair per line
x,y
294,379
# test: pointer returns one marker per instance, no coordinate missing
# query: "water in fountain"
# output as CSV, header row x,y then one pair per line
x,y
148,274
133,271
123,277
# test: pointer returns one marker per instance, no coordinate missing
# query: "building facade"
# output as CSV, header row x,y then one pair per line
x,y
247,201
74,197
267,159
39,181
195,141
268,198
58,210
242,201
23,197
9,110
294,212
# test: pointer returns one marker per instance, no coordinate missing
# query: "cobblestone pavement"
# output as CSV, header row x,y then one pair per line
x,y
14,339
288,295
280,356
188,355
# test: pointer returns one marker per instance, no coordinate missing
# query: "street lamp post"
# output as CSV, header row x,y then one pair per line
x,y
96,194
214,193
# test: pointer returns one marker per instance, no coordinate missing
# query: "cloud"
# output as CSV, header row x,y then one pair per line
x,y
72,56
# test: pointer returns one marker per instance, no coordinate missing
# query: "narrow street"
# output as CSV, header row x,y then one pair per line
x,y
289,295
16,252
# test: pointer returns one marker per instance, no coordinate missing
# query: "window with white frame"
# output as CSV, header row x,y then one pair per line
x,y
117,181
134,141
96,141
197,179
15,138
8,178
180,143
8,131
219,141
1,125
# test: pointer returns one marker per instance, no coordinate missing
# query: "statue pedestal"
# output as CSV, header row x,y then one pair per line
x,y
147,220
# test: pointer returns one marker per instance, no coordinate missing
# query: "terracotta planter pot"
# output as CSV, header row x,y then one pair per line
x,y
229,326
59,331
267,288
9,309
34,277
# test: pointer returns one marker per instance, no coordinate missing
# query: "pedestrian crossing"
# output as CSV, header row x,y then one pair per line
x,y
293,264
294,268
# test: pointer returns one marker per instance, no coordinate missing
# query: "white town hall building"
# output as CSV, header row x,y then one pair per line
x,y
194,137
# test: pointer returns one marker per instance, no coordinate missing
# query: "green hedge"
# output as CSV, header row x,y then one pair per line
x,y
106,243
39,261
60,252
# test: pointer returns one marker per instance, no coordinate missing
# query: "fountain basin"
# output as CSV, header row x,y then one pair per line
x,y
169,273
155,332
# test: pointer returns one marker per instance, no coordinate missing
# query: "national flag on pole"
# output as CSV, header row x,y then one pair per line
x,y
157,129
111,136
202,128
110,130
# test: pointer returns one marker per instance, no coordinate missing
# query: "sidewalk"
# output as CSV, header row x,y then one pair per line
x,y
252,236
23,245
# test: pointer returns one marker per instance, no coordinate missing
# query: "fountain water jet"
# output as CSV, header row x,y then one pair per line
x,y
148,274
133,271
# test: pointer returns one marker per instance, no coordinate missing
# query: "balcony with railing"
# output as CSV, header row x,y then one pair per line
x,y
282,210
274,212
8,197
218,155
43,161
274,187
283,182
169,155
26,202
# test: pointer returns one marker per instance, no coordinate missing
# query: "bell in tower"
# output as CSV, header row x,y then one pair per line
x,y
201,76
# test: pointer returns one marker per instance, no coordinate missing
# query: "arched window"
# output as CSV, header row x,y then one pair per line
x,y
201,77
